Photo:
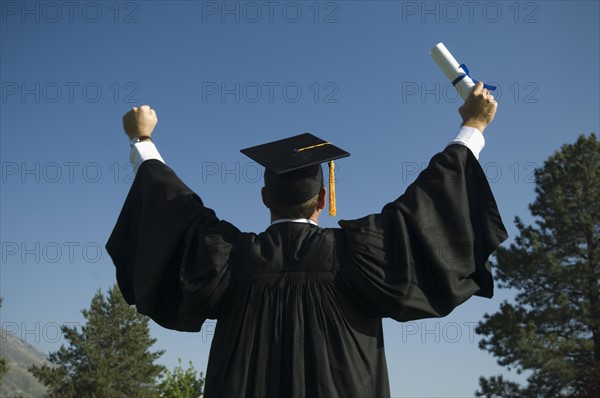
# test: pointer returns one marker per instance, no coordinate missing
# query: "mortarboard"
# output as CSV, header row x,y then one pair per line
x,y
293,172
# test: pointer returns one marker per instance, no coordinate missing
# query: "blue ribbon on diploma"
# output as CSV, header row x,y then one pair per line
x,y
464,68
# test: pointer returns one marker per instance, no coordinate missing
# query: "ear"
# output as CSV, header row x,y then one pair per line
x,y
322,199
265,198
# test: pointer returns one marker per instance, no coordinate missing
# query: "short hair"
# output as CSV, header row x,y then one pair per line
x,y
301,210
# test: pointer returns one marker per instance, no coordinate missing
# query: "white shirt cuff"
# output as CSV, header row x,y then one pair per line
x,y
142,151
471,138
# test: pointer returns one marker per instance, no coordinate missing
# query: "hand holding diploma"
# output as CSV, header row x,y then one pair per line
x,y
479,108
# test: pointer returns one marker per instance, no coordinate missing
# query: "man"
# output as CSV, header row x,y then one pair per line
x,y
299,307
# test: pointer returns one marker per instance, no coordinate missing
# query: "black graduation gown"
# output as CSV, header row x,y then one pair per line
x,y
299,307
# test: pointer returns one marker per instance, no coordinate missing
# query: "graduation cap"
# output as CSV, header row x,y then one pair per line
x,y
293,172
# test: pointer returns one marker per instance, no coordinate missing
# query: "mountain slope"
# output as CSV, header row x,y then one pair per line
x,y
18,382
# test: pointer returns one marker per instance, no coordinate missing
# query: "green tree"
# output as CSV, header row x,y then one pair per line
x,y
107,357
552,330
181,383
3,362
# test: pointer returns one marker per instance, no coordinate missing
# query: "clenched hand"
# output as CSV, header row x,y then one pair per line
x,y
139,122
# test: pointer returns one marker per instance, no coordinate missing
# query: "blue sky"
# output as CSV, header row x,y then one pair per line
x,y
227,75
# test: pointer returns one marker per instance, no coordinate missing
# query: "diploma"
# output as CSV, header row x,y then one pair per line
x,y
457,74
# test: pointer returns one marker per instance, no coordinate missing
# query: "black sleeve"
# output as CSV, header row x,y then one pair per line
x,y
427,251
171,253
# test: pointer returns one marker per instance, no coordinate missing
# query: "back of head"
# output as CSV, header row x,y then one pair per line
x,y
294,194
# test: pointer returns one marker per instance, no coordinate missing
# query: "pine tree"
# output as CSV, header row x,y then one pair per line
x,y
552,330
107,357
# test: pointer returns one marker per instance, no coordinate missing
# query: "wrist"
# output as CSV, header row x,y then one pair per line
x,y
140,138
479,125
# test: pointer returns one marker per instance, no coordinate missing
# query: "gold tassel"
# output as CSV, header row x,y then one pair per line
x,y
332,208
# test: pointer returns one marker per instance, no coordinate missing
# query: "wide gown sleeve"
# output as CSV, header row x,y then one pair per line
x,y
427,251
171,253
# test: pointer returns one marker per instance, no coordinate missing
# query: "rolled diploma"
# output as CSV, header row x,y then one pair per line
x,y
452,69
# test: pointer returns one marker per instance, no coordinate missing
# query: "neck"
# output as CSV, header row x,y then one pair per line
x,y
314,218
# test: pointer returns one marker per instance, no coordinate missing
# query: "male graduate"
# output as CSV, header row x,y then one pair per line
x,y
299,307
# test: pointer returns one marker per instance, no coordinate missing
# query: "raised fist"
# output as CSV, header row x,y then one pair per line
x,y
139,122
